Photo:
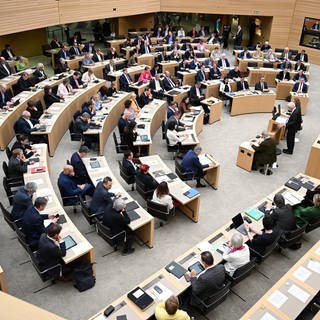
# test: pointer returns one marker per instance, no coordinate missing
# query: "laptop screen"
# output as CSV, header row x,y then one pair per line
x,y
237,220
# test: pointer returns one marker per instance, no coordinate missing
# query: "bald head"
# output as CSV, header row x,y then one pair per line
x,y
291,106
68,170
26,114
2,60
3,87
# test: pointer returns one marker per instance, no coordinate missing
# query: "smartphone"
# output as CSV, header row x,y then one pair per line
x,y
157,289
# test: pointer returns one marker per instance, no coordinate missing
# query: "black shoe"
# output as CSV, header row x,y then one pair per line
x,y
127,252
286,151
269,172
200,185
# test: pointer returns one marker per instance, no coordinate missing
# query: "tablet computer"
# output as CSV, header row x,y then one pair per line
x,y
69,241
197,266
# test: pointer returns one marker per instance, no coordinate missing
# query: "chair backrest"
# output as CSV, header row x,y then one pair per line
x,y
171,148
22,238
293,52
86,211
200,55
278,50
105,233
252,64
158,210
74,136
267,65
7,189
290,237
129,179
163,130
7,216
5,168
313,224
120,148
271,247
145,194
238,48
242,272
8,152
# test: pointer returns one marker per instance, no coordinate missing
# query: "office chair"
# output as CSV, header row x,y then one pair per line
x,y
8,153
145,194
312,224
184,176
73,135
252,64
18,181
159,211
89,216
163,130
13,224
242,272
120,148
10,188
291,238
68,201
129,179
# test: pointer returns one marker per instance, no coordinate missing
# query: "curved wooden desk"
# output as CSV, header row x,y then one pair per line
x,y
144,225
313,168
215,106
83,250
177,94
212,87
98,67
3,282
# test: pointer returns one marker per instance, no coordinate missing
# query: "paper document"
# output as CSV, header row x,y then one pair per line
x,y
291,198
318,251
164,295
38,181
162,178
314,266
277,299
268,316
205,246
298,293
204,160
100,317
282,120
302,274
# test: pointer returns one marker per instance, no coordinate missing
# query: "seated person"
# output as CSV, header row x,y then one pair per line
x,y
7,53
112,54
172,108
110,91
201,75
283,75
82,124
308,198
179,125
271,56
88,77
261,85
61,66
5,69
225,88
55,44
299,66
262,238
308,214
191,164
89,107
20,65
145,75
174,139
223,62
281,214
5,97
51,250
195,94
185,105
265,152
238,254
17,164
24,83
145,97
183,65
123,121
102,198
170,310
89,47
22,199
117,220
300,87
134,106
80,171
69,188
245,54
168,82
127,163
23,144
210,281
87,60
50,97
258,54
64,88
302,56
214,72
36,111
129,136
125,81
286,54
98,56
96,101
266,46
242,84
161,195
132,61
25,125
39,74
300,74
286,64
145,178
33,222
234,73
156,88
75,80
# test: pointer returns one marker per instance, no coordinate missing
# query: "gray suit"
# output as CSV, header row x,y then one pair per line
x,y
207,283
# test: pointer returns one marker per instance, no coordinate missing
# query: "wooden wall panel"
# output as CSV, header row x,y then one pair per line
x,y
78,10
304,8
137,21
21,15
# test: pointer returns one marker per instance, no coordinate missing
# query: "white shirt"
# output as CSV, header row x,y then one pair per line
x,y
157,85
181,33
88,78
29,122
198,92
10,54
236,259
173,138
166,200
62,90
5,67
222,86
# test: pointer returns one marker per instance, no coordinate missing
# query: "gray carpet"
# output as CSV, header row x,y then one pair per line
x,y
237,191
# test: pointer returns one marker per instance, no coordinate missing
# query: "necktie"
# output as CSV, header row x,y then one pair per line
x,y
5,68
171,82
243,86
128,80
2,97
77,51
300,87
226,88
302,57
223,63
203,76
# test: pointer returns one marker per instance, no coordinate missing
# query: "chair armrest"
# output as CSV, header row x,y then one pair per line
x,y
51,268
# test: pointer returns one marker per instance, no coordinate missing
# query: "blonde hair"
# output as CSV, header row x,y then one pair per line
x,y
316,200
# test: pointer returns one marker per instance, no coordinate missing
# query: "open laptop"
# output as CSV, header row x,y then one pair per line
x,y
238,224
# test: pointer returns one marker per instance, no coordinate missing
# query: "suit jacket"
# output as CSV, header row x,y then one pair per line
x,y
282,57
3,72
128,138
240,86
79,167
6,98
111,55
86,49
49,254
283,218
130,169
5,54
194,99
68,188
258,86
234,74
280,75
146,180
173,119
295,120
17,167
284,65
80,126
299,55
191,164
50,98
152,85
144,99
95,57
26,148
214,74
73,52
55,44
167,85
296,77
241,55
20,203
208,282
301,67
73,83
101,199
23,127
23,85
116,221
63,54
124,85
32,226
265,153
296,87
220,63
201,76
37,74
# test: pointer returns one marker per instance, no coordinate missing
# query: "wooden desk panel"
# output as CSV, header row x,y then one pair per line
x,y
283,89
169,65
313,164
3,282
213,87
215,106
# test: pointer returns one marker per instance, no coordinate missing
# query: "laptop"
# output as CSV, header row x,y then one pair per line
x,y
238,224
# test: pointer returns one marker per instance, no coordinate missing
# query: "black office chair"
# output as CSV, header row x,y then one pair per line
x,y
163,130
89,216
180,172
159,211
238,48
252,64
132,29
145,194
289,239
242,272
16,180
8,153
200,55
268,65
312,224
173,149
205,306
73,135
11,188
113,240
13,224
44,48
294,52
280,50
129,179
120,148
22,238
68,201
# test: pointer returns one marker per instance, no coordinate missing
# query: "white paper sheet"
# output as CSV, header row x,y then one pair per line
x,y
81,247
277,299
164,295
204,160
205,246
298,293
314,266
302,274
318,251
38,181
100,317
162,178
268,316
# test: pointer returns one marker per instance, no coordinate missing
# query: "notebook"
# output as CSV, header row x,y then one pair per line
x,y
140,298
133,215
144,138
131,206
191,193
293,183
255,214
171,175
176,269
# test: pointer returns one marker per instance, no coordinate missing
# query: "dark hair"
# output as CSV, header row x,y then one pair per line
x,y
127,154
84,149
279,200
162,189
267,223
171,126
172,305
40,201
31,103
106,179
207,258
77,73
130,126
54,229
103,90
22,137
46,89
127,104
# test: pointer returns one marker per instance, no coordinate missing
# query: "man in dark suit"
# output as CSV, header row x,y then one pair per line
x,y
299,66
80,171
265,152
300,87
125,81
214,72
69,188
102,198
7,53
286,64
23,144
33,222
261,85
145,97
191,164
300,74
75,50
5,97
195,94
64,53
167,82
170,38
24,83
89,48
39,74
283,75
128,164
293,125
24,125
234,73
223,62
117,220
281,214
176,119
17,164
242,84
302,56
183,65
75,80
81,125
201,75
98,56
156,88
286,54
208,282
238,37
54,44
5,69
245,54
22,200
51,250
112,54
